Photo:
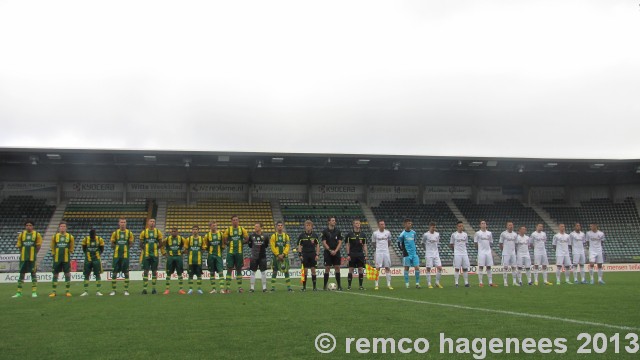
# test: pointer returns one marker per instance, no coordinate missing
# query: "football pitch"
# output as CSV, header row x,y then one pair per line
x,y
285,325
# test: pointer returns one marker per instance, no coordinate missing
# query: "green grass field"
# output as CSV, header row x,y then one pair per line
x,y
285,325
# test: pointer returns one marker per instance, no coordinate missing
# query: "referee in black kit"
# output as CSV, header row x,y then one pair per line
x,y
332,242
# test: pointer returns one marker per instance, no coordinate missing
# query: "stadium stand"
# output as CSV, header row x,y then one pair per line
x,y
394,212
14,210
619,221
295,213
101,214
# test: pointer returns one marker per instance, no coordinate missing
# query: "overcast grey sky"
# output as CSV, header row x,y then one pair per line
x,y
557,79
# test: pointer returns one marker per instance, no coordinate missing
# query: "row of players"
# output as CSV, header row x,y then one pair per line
x,y
515,253
214,242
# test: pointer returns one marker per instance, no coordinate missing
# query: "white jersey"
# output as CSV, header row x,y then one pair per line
x,y
522,245
561,242
459,241
381,239
484,239
539,240
595,240
431,243
577,242
508,241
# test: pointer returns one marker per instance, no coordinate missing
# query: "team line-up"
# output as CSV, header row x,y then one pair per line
x,y
514,246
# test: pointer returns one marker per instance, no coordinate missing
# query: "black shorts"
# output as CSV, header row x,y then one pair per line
x,y
334,260
256,264
309,260
356,261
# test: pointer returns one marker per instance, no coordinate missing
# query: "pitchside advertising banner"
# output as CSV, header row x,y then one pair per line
x,y
294,273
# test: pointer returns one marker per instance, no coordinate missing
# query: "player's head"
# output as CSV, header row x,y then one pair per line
x,y
483,225
92,233
308,226
195,229
62,226
151,223
509,226
459,226
381,225
407,223
539,227
28,225
279,227
235,221
593,226
213,225
432,226
122,223
561,227
332,221
174,231
522,230
577,227
356,225
257,227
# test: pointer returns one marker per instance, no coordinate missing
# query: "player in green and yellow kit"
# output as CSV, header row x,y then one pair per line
x,y
29,243
280,244
62,245
215,245
195,245
92,246
121,242
234,237
150,243
172,249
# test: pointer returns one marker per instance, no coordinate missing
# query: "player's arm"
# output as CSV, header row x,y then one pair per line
x,y
113,239
272,244
72,246
19,242
401,241
250,242
339,237
53,244
475,240
142,239
366,251
300,245
348,247
501,242
131,238
38,242
317,248
84,244
101,246
324,241
204,246
451,242
245,235
160,238
225,236
287,245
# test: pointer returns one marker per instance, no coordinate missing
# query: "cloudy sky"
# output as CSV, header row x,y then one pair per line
x,y
556,79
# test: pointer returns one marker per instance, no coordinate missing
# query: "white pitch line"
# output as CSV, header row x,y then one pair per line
x,y
504,312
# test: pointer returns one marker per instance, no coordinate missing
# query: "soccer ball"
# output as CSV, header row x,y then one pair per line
x,y
333,286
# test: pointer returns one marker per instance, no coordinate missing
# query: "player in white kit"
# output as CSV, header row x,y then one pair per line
x,y
431,239
539,240
561,241
483,240
522,252
458,243
595,238
577,248
508,246
381,239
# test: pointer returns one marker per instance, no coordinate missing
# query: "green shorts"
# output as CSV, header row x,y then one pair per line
x,y
215,264
235,261
150,263
59,267
280,265
174,263
28,267
120,265
194,270
94,266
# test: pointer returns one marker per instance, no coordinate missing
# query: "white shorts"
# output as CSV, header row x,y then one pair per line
x,y
383,259
485,259
433,261
524,261
461,261
563,260
541,259
579,259
509,260
595,257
